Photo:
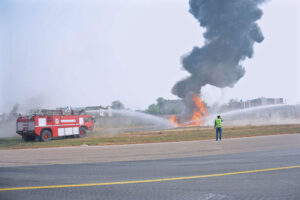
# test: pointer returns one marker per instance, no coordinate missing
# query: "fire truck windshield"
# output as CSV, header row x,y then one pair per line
x,y
88,119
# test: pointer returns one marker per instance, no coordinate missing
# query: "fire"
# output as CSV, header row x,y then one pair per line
x,y
199,112
174,120
199,104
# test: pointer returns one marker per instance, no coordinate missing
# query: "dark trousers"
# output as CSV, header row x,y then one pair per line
x,y
218,133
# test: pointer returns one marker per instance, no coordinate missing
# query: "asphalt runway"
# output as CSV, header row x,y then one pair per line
x,y
264,174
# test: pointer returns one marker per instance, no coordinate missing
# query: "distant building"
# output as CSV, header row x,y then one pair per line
x,y
234,104
262,102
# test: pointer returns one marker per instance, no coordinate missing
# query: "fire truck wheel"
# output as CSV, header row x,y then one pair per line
x,y
82,132
46,136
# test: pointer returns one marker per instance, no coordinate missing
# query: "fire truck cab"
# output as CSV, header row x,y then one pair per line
x,y
46,126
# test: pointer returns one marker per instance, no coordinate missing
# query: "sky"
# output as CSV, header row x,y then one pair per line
x,y
92,52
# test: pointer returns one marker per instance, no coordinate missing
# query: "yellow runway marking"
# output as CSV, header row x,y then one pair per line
x,y
148,180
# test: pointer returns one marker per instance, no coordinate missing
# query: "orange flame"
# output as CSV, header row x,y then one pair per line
x,y
199,112
199,104
174,120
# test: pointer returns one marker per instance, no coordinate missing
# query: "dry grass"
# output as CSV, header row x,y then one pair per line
x,y
173,135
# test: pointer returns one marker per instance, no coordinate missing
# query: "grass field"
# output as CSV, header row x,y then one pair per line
x,y
173,135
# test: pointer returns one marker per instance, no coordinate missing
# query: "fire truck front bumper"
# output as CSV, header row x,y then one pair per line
x,y
26,133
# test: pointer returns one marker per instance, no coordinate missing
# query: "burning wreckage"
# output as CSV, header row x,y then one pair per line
x,y
199,111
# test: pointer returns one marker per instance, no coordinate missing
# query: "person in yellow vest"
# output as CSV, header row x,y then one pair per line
x,y
218,127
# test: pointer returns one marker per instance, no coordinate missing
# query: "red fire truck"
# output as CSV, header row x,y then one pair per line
x,y
49,124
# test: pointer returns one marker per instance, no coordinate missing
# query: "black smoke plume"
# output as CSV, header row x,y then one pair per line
x,y
231,31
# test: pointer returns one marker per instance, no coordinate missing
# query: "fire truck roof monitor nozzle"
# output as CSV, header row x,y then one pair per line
x,y
231,31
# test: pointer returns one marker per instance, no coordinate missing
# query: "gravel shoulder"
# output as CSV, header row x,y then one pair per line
x,y
132,152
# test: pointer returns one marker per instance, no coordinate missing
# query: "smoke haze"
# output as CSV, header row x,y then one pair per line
x,y
81,53
231,31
